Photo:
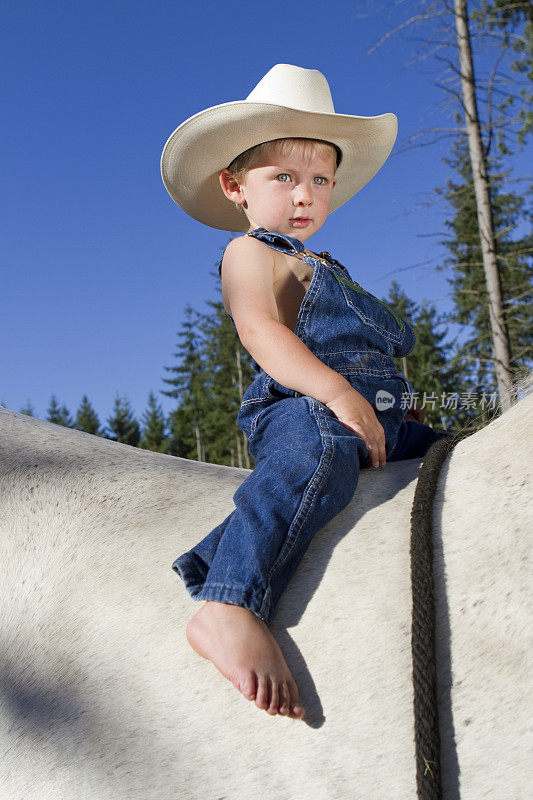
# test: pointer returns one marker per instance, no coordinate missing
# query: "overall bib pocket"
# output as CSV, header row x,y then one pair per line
x,y
371,311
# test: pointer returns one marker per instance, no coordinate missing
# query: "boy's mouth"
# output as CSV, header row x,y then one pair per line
x,y
300,222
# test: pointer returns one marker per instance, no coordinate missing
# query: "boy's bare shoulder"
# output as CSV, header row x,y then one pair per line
x,y
245,252
247,280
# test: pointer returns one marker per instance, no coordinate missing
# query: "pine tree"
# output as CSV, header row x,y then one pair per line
x,y
86,418
229,368
467,282
182,441
492,112
153,427
437,382
28,409
57,414
191,389
122,423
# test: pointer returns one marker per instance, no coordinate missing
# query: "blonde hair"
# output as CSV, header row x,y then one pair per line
x,y
284,147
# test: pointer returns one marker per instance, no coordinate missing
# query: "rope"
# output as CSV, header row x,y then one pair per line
x,y
427,740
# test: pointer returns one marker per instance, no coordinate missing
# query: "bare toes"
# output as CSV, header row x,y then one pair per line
x,y
248,686
297,710
284,699
274,697
261,696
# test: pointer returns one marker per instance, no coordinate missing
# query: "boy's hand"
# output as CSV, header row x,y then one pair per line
x,y
356,414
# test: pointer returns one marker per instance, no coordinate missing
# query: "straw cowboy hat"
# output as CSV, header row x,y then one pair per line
x,y
288,102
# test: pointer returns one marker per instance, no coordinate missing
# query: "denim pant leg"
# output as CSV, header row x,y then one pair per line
x,y
414,440
306,472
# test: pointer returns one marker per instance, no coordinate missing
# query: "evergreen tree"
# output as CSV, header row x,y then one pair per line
x,y
28,409
437,382
153,428
122,423
190,388
181,442
229,368
469,291
57,414
492,113
86,418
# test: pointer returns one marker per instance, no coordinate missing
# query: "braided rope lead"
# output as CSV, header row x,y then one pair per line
x,y
427,740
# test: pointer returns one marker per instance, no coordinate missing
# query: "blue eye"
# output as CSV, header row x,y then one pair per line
x,y
320,180
283,177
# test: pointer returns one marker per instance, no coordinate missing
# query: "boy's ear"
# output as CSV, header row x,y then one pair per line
x,y
231,187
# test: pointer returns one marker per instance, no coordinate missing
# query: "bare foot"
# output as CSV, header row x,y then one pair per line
x,y
242,648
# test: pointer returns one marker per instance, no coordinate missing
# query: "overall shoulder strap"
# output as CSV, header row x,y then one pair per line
x,y
277,241
287,244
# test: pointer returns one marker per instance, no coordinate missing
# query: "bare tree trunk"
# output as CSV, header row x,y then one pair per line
x,y
246,453
239,451
244,439
198,443
500,337
239,371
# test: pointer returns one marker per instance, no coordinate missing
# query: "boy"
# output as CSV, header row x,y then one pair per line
x,y
323,347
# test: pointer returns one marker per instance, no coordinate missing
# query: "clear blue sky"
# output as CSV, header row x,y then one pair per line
x,y
97,262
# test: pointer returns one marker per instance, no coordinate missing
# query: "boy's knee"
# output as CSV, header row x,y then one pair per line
x,y
300,435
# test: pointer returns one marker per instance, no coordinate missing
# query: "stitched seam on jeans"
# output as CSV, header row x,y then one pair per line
x,y
358,351
377,372
258,416
386,332
313,295
217,585
318,277
309,495
254,400
310,492
372,373
355,287
254,422
395,445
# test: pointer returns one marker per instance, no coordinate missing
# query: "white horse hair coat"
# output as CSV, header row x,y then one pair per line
x,y
101,696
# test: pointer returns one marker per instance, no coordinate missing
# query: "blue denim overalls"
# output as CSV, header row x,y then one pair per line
x,y
306,462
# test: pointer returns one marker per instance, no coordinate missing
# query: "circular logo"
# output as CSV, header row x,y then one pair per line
x,y
384,400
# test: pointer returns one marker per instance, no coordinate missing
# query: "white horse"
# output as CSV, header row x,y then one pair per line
x,y
101,697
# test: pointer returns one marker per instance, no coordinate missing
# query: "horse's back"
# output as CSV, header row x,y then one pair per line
x,y
103,697
483,518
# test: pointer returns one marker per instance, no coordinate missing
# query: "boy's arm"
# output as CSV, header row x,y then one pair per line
x,y
248,277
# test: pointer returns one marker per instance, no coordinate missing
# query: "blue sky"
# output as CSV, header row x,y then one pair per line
x,y
97,262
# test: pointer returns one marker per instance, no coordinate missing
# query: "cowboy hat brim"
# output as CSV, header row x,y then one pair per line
x,y
207,143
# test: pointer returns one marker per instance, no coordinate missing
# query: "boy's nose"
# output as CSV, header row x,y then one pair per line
x,y
302,196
